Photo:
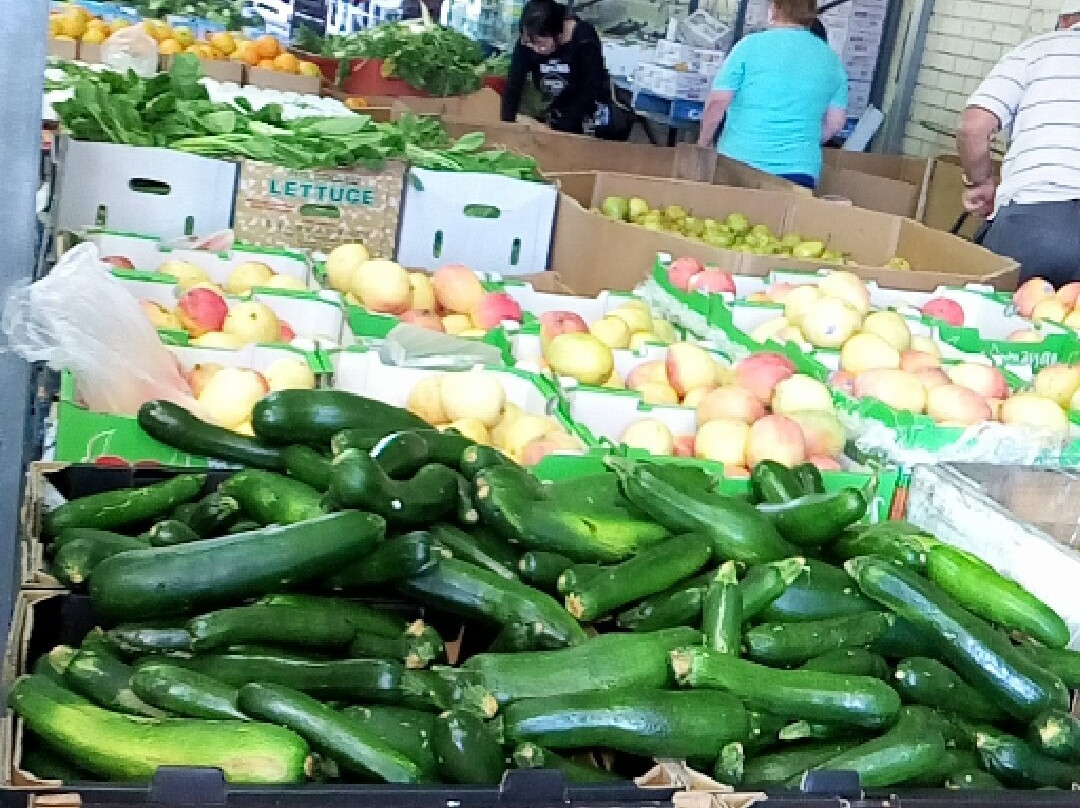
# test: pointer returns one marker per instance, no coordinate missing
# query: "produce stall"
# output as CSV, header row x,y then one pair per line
x,y
386,465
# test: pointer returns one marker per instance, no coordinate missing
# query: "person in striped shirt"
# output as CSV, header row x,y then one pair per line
x,y
1032,94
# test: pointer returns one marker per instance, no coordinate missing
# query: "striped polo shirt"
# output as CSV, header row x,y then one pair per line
x,y
1035,92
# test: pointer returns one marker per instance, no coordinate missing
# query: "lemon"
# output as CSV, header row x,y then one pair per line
x,y
94,36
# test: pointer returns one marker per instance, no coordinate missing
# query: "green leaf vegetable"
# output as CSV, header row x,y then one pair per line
x,y
173,110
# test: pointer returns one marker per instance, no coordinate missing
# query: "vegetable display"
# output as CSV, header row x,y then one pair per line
x,y
173,110
622,616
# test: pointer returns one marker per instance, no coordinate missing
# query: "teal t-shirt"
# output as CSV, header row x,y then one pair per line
x,y
783,79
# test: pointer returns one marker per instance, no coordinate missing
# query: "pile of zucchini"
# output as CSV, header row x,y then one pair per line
x,y
288,623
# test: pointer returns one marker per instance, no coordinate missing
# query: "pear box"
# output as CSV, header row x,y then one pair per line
x,y
84,436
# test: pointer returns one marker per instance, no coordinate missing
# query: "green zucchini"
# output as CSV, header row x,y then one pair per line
x,y
517,637
402,557
307,465
466,750
764,583
604,662
778,768
124,506
809,478
309,624
184,510
739,532
1062,662
821,592
367,619
212,515
983,591
722,614
853,661
530,756
337,735
542,569
52,665
588,491
478,457
315,416
774,482
911,746
449,689
972,780
243,526
273,499
983,657
928,682
1016,763
461,588
44,764
681,605
174,426
106,680
836,698
119,748
576,575
402,454
730,764
418,646
465,510
185,692
764,731
815,519
654,723
604,535
80,555
503,492
357,481
1057,733
650,571
791,643
897,541
168,532
408,731
163,581
465,547
138,639
903,640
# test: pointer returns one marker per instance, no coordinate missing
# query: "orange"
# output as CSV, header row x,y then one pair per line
x,y
287,63
170,47
223,41
251,56
94,36
356,102
184,35
309,69
266,64
267,47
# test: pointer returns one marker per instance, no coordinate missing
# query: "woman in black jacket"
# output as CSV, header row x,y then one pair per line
x,y
561,54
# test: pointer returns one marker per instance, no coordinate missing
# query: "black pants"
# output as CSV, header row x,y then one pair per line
x,y
1043,237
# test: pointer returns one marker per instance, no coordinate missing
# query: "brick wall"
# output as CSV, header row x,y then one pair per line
x,y
964,41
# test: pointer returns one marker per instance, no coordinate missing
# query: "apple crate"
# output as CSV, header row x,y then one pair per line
x,y
147,253
84,436
317,318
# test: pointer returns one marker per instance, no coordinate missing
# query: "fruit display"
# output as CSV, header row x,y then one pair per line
x,y
1037,299
76,24
757,637
734,232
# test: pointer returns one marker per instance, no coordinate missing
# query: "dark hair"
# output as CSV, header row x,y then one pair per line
x,y
800,12
543,18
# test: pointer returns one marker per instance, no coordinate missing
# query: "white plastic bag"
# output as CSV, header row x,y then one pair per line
x,y
131,48
80,318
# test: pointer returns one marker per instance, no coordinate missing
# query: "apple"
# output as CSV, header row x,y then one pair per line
x,y
246,276
230,395
495,307
252,321
553,323
290,374
943,308
186,274
119,261
457,289
581,356
159,316
342,263
202,310
682,270
612,331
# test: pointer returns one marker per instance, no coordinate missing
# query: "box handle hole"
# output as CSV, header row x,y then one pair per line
x,y
476,211
141,185
322,211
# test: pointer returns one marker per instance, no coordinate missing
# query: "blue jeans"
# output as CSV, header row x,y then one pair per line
x,y
805,180
1044,237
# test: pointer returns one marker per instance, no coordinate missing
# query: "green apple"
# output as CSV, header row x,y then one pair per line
x,y
638,207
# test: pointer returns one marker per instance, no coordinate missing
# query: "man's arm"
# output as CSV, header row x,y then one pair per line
x,y
716,107
977,127
835,118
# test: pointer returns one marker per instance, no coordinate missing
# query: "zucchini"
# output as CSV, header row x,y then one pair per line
x,y
408,731
417,646
983,657
903,640
576,575
337,735
764,730
168,532
912,746
778,768
465,510
412,554
1057,733
465,547
367,619
530,756
517,637
503,492
730,764
774,482
604,662
821,592
604,535
318,625
402,454
984,592
791,643
140,639
898,541
52,665
722,614
650,571
315,416
478,457
185,692
449,689
243,526
588,491
1016,763
764,583
466,750
212,515
80,554
120,748
681,605
815,519
356,481
44,764
683,502
106,680
1062,662
836,698
273,499
972,780
163,581
640,721
928,682
307,465
809,477
174,426
542,569
853,661
109,510
463,589
184,510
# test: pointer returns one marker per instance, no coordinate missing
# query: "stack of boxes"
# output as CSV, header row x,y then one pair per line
x,y
684,65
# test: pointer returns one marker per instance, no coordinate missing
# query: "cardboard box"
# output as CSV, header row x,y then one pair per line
x,y
486,221
160,192
944,197
883,182
319,209
592,252
218,69
484,105
67,49
286,82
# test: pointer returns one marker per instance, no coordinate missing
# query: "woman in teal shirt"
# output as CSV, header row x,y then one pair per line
x,y
781,94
